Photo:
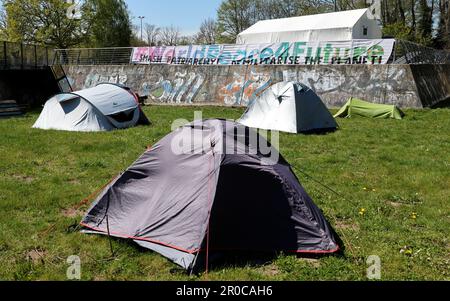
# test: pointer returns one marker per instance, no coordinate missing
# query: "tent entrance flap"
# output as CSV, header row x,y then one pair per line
x,y
251,212
125,119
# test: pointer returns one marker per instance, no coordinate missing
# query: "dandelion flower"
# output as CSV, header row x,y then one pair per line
x,y
406,251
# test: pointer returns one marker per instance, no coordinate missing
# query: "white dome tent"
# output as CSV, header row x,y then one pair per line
x,y
289,107
105,107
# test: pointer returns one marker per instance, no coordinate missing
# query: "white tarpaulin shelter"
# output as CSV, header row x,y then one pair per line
x,y
289,107
105,107
337,26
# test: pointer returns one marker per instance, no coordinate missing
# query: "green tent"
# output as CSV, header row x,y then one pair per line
x,y
360,107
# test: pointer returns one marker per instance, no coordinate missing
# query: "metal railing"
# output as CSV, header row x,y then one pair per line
x,y
93,56
24,56
410,53
405,52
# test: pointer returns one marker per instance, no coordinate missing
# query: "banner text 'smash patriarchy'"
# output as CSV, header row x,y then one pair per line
x,y
368,52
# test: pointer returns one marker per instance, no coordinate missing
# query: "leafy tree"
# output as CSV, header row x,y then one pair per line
x,y
233,17
110,24
47,22
425,25
443,31
398,30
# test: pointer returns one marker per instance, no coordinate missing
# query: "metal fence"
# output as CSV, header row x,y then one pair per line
x,y
24,56
411,53
405,52
93,56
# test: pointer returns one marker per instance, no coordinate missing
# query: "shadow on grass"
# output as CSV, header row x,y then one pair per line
x,y
216,260
442,104
241,259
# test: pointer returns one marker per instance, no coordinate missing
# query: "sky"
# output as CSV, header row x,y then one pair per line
x,y
185,14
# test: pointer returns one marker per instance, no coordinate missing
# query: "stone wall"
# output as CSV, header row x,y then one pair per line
x,y
238,85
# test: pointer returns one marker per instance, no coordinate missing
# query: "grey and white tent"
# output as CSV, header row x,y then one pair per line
x,y
206,188
289,107
105,107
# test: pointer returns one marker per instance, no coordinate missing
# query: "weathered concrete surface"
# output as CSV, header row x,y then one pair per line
x,y
238,85
433,83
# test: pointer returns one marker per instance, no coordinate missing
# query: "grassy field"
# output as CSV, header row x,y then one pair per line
x,y
394,176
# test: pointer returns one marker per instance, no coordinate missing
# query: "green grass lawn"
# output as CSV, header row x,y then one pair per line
x,y
398,171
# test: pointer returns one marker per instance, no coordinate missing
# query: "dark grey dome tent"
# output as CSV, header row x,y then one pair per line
x,y
207,187
104,107
289,107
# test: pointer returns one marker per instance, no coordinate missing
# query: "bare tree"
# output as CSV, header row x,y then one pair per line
x,y
3,24
207,33
169,35
186,40
152,33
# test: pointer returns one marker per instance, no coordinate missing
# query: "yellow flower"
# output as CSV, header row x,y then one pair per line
x,y
365,188
362,211
414,215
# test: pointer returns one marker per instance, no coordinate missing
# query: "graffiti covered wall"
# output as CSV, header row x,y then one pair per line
x,y
218,85
239,85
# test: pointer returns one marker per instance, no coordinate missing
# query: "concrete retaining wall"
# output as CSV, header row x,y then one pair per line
x,y
433,83
238,85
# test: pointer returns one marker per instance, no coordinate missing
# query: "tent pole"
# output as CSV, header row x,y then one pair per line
x,y
207,250
318,182
109,236
194,262
107,226
209,221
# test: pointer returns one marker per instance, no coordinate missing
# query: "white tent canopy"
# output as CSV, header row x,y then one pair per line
x,y
102,108
337,26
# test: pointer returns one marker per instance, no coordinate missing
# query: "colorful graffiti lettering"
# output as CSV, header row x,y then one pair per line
x,y
368,52
241,91
183,88
94,79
